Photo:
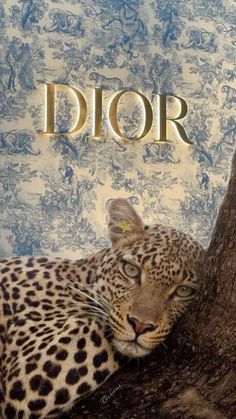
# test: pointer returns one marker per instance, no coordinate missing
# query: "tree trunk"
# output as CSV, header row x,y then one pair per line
x,y
192,376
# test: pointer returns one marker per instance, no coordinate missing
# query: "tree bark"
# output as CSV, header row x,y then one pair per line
x,y
191,376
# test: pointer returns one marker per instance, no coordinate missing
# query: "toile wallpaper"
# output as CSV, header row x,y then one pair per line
x,y
54,188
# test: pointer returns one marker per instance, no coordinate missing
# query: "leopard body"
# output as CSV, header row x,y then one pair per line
x,y
65,325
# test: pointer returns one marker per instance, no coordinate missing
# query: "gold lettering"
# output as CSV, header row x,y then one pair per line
x,y
50,108
113,115
97,112
162,119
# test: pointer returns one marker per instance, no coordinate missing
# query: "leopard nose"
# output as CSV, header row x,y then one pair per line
x,y
138,326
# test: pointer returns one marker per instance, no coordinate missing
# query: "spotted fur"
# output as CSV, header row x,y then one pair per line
x,y
65,324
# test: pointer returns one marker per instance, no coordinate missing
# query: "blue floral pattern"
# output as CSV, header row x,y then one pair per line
x,y
54,188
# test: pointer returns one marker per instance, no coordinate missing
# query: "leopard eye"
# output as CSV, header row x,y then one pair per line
x,y
130,270
184,292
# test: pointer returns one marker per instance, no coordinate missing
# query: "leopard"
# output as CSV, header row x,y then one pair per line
x,y
67,325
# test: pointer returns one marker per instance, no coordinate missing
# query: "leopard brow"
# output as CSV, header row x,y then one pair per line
x,y
184,283
189,282
129,260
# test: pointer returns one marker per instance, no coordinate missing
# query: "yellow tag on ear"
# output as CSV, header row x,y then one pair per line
x,y
125,226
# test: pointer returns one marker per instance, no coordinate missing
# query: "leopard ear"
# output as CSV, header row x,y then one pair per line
x,y
124,222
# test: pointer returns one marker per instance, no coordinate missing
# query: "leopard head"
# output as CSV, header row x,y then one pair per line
x,y
151,275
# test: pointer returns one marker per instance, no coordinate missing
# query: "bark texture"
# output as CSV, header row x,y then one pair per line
x,y
192,376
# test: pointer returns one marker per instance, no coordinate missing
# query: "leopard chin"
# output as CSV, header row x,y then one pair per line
x,y
130,349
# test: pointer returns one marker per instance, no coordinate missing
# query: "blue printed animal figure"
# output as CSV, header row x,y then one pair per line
x,y
199,137
204,181
200,39
66,22
158,153
13,56
26,72
126,45
19,61
109,83
18,142
68,175
226,144
230,99
126,14
170,30
160,72
30,13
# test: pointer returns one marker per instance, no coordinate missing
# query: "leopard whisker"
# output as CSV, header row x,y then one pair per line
x,y
87,295
95,309
91,286
96,315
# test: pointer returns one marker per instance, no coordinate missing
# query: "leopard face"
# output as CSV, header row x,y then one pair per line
x,y
151,276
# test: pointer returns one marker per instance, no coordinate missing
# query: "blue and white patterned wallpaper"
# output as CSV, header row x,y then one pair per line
x,y
53,189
